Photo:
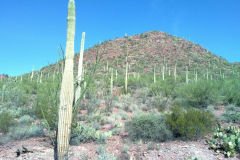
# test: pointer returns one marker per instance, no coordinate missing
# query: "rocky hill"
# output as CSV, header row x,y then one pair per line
x,y
155,48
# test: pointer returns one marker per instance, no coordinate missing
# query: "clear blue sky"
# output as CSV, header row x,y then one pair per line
x,y
31,30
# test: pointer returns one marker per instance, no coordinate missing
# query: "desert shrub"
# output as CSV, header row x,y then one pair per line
x,y
103,155
148,127
232,114
123,115
6,121
162,88
25,131
199,94
91,90
109,103
14,96
159,102
142,95
116,131
124,154
230,91
47,102
26,119
92,105
190,124
83,133
127,103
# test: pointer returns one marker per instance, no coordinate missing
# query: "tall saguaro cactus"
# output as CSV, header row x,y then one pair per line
x,y
67,89
175,72
163,73
187,80
111,81
126,72
80,69
154,75
32,74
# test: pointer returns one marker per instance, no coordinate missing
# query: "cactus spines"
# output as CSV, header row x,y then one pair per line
x,y
80,69
67,89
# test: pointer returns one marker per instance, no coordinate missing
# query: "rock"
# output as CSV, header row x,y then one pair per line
x,y
22,150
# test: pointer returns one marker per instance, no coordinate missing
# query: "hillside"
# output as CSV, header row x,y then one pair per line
x,y
155,48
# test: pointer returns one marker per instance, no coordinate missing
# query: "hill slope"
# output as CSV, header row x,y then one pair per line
x,y
155,48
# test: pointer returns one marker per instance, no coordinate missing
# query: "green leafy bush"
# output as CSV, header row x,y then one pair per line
x,y
230,91
103,155
226,141
25,131
148,127
14,96
190,124
6,121
159,102
232,114
162,88
47,102
83,133
199,94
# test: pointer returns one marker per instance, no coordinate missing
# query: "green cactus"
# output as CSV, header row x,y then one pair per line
x,y
126,71
163,73
226,141
32,73
154,75
187,80
67,89
3,93
111,82
175,72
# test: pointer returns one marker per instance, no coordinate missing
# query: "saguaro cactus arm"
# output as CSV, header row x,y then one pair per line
x,y
80,69
67,89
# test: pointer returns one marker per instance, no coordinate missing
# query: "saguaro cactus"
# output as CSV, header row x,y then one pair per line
x,y
207,74
126,71
175,72
116,74
196,76
111,82
154,75
67,88
32,73
80,69
163,72
187,80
